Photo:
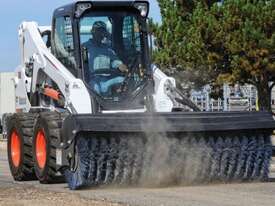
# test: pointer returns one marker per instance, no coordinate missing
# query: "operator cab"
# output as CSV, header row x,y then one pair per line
x,y
105,43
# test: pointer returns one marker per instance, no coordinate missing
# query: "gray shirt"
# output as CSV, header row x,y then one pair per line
x,y
101,56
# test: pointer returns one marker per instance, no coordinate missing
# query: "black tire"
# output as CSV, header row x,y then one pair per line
x,y
23,125
50,123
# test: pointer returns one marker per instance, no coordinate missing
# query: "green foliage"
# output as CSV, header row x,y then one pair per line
x,y
212,42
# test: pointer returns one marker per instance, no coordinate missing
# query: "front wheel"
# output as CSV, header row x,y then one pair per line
x,y
45,140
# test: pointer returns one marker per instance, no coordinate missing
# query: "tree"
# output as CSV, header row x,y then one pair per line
x,y
214,42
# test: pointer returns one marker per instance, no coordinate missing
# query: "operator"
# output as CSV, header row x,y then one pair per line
x,y
102,57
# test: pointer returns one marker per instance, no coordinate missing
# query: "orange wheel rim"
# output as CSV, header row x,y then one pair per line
x,y
41,149
15,148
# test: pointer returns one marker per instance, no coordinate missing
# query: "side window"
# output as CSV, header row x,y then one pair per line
x,y
64,45
131,34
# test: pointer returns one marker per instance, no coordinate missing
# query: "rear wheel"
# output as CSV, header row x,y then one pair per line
x,y
19,133
45,141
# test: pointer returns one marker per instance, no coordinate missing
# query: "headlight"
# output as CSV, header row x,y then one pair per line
x,y
143,7
81,8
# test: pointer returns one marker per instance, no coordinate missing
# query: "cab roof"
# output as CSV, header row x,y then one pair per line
x,y
70,8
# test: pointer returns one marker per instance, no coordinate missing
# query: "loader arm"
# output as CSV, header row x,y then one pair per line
x,y
40,62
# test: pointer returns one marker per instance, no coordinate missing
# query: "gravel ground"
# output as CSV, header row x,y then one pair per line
x,y
21,195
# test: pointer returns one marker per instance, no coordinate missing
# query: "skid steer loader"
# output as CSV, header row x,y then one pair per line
x,y
92,110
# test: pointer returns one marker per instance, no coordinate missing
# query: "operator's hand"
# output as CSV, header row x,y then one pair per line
x,y
123,68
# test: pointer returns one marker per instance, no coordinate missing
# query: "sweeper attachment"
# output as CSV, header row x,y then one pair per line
x,y
92,110
167,148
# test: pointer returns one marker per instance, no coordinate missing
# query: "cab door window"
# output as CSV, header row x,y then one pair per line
x,y
64,46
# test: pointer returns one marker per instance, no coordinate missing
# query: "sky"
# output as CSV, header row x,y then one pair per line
x,y
13,12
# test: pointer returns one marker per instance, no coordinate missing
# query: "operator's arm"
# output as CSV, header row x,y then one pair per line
x,y
116,63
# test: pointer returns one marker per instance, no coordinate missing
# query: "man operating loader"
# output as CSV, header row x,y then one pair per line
x,y
104,65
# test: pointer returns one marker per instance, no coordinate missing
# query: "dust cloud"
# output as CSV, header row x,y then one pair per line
x,y
173,158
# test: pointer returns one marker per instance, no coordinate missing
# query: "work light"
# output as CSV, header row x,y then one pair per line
x,y
82,7
143,7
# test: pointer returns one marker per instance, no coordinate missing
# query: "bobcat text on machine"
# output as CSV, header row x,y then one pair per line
x,y
91,108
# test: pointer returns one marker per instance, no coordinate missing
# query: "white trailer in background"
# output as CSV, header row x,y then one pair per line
x,y
7,94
